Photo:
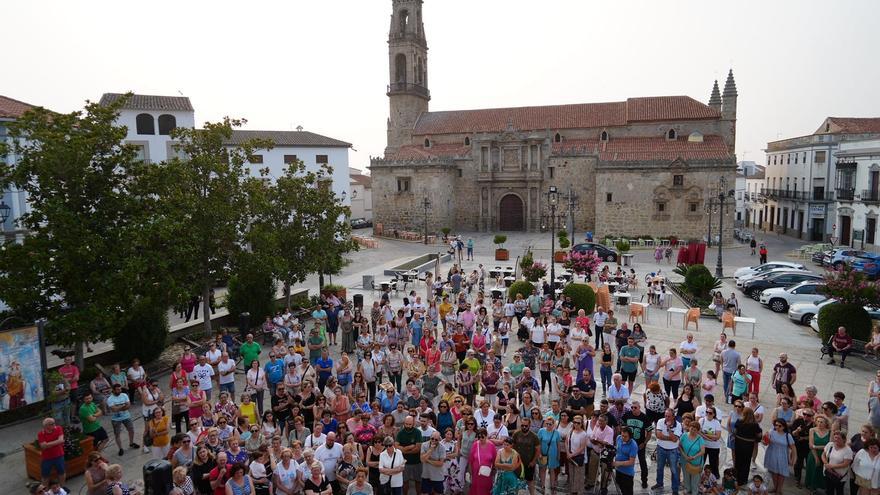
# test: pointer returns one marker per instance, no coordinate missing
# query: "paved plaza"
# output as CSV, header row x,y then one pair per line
x,y
774,333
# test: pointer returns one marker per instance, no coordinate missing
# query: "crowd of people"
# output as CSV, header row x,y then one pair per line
x,y
435,397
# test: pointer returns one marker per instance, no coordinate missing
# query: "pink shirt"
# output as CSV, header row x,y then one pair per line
x,y
188,363
604,435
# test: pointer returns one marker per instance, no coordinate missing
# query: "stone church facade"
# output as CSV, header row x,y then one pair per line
x,y
644,166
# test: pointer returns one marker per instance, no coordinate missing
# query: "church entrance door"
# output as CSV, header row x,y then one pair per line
x,y
511,213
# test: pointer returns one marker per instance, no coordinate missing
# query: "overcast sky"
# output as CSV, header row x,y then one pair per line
x,y
324,64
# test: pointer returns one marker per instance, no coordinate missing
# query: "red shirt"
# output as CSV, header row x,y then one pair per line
x,y
70,373
214,474
841,341
461,342
51,452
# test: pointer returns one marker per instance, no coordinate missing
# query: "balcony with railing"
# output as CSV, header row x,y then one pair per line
x,y
405,87
845,194
871,195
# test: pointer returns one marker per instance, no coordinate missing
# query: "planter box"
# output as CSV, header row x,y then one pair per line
x,y
502,255
72,467
559,256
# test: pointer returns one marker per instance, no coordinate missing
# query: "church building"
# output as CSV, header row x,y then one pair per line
x,y
643,166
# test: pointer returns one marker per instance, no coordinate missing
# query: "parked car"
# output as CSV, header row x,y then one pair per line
x,y
742,280
873,313
605,254
754,288
772,265
805,311
818,256
360,223
840,256
778,299
870,267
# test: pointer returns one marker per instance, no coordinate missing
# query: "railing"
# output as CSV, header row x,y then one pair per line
x,y
871,196
405,87
845,194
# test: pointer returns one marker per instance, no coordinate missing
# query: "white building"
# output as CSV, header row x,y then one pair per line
x,y
745,170
800,178
754,200
314,150
14,202
150,120
858,193
361,194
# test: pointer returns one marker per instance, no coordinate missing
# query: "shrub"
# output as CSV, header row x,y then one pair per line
x,y
499,241
520,287
527,260
699,281
564,242
144,335
622,246
581,295
251,290
852,316
446,231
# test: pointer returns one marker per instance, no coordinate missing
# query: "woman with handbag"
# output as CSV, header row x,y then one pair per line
x,y
508,468
692,447
550,442
836,456
481,462
577,448
256,384
780,454
391,466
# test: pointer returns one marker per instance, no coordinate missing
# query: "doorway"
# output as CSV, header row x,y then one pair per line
x,y
511,213
845,226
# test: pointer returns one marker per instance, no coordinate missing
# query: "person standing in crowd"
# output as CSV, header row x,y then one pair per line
x,y
762,251
668,432
120,417
730,361
51,441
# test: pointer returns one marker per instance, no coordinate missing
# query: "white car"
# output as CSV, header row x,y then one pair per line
x,y
752,270
804,312
740,282
778,299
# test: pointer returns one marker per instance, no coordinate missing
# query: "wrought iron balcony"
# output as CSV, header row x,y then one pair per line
x,y
871,196
845,194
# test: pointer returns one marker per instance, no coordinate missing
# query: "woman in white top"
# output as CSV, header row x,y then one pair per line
x,y
836,457
866,467
576,445
554,332
719,347
651,365
539,332
754,366
285,474
256,384
391,465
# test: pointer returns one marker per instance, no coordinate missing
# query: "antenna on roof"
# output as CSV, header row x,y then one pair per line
x,y
299,128
180,92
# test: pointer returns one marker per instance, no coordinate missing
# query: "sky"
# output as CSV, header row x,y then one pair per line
x,y
323,64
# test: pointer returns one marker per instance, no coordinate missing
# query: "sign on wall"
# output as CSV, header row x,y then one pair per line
x,y
817,211
21,368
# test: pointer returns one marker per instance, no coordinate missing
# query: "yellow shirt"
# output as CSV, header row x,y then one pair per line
x,y
249,411
445,308
161,431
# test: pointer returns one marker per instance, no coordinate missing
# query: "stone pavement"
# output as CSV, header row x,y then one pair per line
x,y
774,334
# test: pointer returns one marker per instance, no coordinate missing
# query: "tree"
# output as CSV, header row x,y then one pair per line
x,y
201,199
851,287
82,264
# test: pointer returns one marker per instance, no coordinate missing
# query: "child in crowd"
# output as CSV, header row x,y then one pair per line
x,y
708,482
728,482
757,486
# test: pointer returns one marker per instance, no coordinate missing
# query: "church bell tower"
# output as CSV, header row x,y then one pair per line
x,y
408,93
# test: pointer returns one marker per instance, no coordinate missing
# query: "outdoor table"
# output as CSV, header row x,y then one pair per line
x,y
670,311
612,286
497,293
622,298
743,319
509,280
494,273
568,276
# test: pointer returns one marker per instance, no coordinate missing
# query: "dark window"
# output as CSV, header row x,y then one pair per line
x,y
820,157
551,171
321,159
795,158
167,123
693,207
145,124
256,159
460,172
670,134
677,180
400,68
288,159
404,20
403,184
467,141
427,143
604,136
557,138
661,207
607,197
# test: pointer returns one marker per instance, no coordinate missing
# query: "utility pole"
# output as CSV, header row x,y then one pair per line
x,y
722,196
427,204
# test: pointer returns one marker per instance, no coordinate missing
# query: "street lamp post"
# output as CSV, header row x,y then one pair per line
x,y
553,200
427,204
722,196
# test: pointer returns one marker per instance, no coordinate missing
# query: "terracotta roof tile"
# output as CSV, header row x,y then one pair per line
x,y
437,150
364,180
554,117
150,102
13,109
850,125
648,148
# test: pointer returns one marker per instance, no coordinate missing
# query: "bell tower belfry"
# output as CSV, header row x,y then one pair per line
x,y
408,93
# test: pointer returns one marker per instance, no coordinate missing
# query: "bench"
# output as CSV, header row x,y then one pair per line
x,y
857,349
743,319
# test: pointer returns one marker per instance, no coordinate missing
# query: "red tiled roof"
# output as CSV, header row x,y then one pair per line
x,y
13,109
648,148
554,117
417,152
364,180
850,125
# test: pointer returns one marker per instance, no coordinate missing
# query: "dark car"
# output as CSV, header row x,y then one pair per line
x,y
360,223
604,253
786,279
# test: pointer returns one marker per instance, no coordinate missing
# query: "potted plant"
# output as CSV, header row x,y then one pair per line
x,y
584,264
535,271
564,243
501,254
338,290
77,448
622,248
446,231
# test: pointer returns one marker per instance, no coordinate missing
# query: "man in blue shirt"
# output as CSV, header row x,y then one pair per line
x,y
625,461
120,416
274,371
324,365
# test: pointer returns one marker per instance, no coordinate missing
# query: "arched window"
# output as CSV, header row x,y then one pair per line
x,y
404,20
400,68
427,143
420,72
467,141
671,134
144,123
557,138
604,136
167,123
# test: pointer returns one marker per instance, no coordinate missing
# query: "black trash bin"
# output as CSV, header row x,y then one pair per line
x,y
244,325
359,301
157,477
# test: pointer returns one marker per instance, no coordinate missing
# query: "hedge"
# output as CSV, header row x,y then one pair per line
x,y
581,295
520,287
251,290
145,334
852,316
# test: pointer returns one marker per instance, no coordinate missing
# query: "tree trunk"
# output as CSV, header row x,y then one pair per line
x,y
286,294
79,355
320,280
206,308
